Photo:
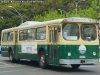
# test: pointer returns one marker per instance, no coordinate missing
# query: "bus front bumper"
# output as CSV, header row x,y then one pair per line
x,y
78,61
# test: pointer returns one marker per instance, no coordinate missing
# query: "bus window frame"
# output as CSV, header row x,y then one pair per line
x,y
10,36
31,34
7,40
3,37
37,33
23,36
78,36
82,32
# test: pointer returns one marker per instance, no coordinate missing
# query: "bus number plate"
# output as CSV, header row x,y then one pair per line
x,y
82,56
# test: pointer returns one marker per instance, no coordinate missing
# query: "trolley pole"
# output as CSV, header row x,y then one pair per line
x,y
18,14
76,4
53,4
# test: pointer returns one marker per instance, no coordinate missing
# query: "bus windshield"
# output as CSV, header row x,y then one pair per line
x,y
88,32
70,31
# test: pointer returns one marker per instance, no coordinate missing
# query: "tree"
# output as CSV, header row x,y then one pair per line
x,y
43,11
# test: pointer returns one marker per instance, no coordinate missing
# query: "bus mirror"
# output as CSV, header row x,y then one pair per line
x,y
59,28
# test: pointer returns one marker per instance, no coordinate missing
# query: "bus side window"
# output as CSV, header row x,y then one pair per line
x,y
20,35
4,37
10,36
31,34
41,33
29,37
23,35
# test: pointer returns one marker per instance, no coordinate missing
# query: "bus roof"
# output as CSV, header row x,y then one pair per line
x,y
33,23
57,21
79,19
29,23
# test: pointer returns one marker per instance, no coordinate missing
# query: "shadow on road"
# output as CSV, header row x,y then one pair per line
x,y
67,69
52,68
25,62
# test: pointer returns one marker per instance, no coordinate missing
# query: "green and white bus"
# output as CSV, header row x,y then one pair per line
x,y
72,41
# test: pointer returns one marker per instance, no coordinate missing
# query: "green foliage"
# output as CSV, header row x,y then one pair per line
x,y
90,13
50,16
44,12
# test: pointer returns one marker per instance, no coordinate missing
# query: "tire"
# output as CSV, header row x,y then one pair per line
x,y
42,60
11,58
75,66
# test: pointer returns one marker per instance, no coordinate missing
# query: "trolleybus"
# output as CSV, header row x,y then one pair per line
x,y
72,41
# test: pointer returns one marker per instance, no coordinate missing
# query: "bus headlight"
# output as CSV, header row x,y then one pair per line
x,y
69,54
94,53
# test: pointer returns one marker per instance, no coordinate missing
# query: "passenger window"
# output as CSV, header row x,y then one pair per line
x,y
41,33
4,37
10,36
31,34
23,35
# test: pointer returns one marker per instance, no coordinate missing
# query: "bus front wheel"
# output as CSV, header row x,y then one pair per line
x,y
75,66
42,60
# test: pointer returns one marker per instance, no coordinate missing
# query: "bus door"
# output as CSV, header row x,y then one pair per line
x,y
53,51
16,45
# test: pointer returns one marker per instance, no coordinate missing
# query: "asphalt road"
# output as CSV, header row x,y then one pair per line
x,y
32,68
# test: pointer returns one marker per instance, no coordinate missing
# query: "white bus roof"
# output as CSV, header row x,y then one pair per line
x,y
57,21
30,23
79,19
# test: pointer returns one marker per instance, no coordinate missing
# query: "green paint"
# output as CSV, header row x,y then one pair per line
x,y
53,53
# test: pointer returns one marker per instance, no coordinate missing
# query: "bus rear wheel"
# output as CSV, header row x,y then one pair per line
x,y
75,66
42,60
